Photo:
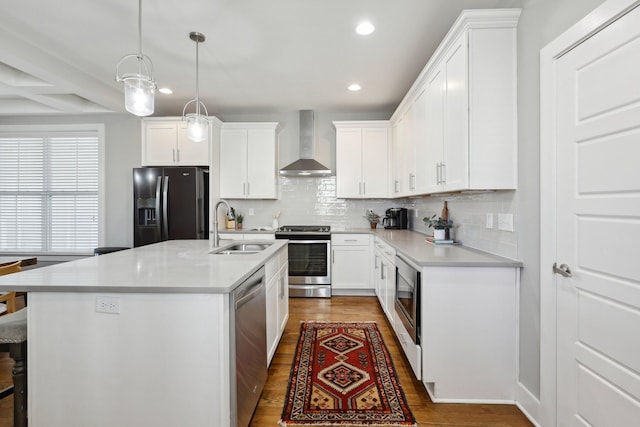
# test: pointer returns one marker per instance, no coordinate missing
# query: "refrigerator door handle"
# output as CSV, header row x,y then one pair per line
x,y
165,208
159,218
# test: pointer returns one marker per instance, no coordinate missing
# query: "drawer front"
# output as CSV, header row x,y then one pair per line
x,y
386,250
350,239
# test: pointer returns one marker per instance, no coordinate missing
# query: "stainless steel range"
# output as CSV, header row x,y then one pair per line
x,y
309,259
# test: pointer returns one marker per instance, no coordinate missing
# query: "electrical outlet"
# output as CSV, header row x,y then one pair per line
x,y
505,222
489,220
109,305
251,212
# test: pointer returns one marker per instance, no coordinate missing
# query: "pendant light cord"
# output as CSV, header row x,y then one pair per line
x,y
139,28
197,79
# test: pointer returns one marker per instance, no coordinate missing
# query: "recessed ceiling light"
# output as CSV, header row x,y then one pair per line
x,y
354,87
365,28
165,90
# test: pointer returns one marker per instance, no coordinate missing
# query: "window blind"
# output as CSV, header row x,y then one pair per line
x,y
49,192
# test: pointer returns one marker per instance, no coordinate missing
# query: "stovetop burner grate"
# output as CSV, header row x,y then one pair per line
x,y
304,229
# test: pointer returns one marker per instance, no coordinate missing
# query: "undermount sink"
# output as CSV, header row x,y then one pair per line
x,y
241,248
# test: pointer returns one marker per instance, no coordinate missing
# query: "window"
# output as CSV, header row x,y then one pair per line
x,y
50,189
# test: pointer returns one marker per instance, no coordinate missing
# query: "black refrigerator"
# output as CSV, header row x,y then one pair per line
x,y
170,203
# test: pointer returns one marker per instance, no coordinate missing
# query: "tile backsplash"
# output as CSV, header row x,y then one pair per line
x,y
311,200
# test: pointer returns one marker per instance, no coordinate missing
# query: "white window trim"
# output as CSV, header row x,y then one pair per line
x,y
99,128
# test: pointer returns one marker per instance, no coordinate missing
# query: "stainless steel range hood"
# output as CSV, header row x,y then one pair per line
x,y
306,165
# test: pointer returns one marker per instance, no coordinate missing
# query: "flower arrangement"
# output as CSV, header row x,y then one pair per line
x,y
373,218
437,223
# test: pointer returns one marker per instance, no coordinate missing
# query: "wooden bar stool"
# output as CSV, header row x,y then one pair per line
x,y
13,332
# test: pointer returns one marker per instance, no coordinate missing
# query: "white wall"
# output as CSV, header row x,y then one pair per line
x,y
541,21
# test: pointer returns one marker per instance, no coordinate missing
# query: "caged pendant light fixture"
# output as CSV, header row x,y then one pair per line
x,y
139,87
197,124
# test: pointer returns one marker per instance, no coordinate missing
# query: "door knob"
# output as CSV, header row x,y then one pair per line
x,y
562,270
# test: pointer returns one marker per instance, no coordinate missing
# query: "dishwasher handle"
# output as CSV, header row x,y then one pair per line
x,y
250,291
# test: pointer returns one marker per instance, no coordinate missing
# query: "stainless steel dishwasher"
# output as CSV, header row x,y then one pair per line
x,y
249,333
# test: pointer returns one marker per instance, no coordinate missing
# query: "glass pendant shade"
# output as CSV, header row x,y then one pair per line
x,y
139,86
197,124
139,95
197,127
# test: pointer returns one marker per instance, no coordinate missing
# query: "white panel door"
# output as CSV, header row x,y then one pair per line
x,y
160,142
434,125
261,164
454,173
420,141
349,163
233,163
375,162
598,229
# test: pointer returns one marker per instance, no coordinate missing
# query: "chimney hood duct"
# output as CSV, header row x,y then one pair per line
x,y
306,165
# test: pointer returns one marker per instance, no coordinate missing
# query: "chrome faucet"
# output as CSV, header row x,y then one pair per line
x,y
230,214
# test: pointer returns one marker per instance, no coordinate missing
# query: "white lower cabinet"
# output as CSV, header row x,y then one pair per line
x,y
350,263
468,323
277,296
411,350
385,277
468,333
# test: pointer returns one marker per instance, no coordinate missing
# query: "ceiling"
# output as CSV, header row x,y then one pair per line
x,y
59,57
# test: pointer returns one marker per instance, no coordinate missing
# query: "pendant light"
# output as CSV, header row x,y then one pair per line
x,y
197,124
139,87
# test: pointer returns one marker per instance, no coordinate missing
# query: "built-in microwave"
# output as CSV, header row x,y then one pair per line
x,y
407,298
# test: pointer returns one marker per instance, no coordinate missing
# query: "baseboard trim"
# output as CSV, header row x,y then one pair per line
x,y
528,404
353,292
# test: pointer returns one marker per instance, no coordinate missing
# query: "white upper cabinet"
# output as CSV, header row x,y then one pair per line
x,y
362,159
248,161
434,128
165,143
462,133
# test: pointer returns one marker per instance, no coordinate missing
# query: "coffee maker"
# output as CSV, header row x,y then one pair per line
x,y
395,219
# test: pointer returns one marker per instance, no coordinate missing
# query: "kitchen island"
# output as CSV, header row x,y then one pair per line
x,y
135,338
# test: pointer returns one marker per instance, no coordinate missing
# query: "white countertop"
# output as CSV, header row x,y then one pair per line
x,y
175,266
412,246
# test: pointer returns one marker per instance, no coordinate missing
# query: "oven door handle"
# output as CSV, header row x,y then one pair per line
x,y
309,241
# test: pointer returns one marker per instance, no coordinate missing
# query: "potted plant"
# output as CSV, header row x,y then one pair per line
x,y
373,218
239,220
440,226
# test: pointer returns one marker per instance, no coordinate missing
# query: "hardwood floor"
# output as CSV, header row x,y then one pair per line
x,y
427,413
341,309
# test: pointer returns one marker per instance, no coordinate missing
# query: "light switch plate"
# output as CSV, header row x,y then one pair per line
x,y
505,222
489,220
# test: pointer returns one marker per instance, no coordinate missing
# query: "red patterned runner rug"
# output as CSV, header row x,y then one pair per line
x,y
342,375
